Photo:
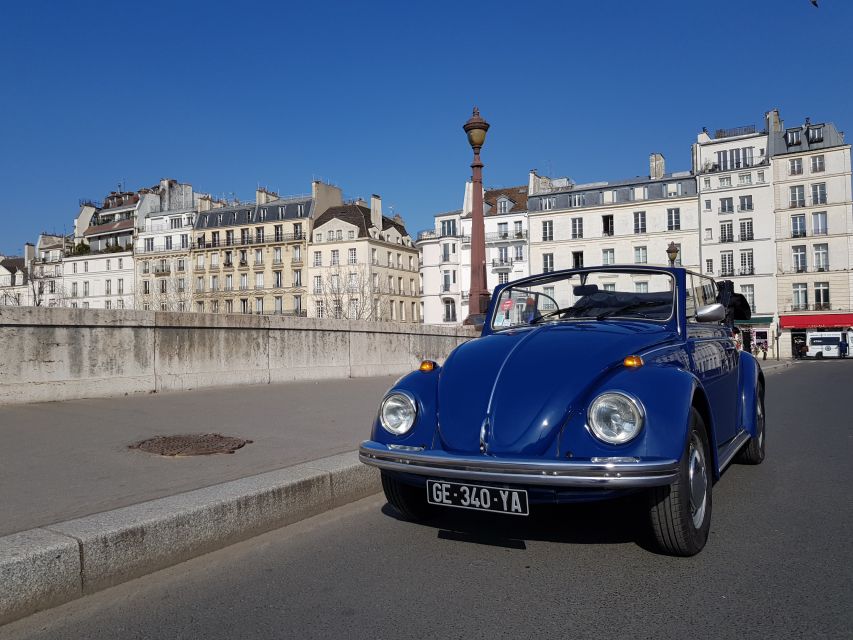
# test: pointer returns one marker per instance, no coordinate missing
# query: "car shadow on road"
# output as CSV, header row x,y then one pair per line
x,y
615,521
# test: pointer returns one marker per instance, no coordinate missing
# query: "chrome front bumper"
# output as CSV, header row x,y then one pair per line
x,y
610,475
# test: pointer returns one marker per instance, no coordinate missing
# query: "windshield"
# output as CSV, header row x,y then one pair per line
x,y
585,296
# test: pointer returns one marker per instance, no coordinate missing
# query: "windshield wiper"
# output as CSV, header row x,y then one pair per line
x,y
556,312
628,307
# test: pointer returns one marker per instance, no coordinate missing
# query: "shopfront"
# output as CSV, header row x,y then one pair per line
x,y
795,328
758,333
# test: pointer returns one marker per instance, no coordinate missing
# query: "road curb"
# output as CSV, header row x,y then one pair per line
x,y
44,567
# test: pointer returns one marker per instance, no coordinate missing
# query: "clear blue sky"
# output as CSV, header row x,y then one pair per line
x,y
372,95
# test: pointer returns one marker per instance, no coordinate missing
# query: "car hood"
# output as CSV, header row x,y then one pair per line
x,y
517,387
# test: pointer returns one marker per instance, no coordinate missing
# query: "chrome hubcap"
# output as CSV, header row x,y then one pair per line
x,y
698,478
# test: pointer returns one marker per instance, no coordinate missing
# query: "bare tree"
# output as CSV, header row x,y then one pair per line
x,y
351,292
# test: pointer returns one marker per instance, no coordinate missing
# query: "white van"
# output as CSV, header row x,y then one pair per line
x,y
823,344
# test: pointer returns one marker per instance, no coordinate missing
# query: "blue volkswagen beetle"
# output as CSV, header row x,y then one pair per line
x,y
586,384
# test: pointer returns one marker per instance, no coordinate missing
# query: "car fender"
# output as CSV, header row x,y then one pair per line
x,y
667,394
750,374
422,386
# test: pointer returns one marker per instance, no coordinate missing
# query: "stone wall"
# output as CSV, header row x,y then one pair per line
x,y
60,354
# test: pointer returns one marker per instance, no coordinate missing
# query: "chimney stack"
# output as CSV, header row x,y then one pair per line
x,y
774,122
656,166
376,211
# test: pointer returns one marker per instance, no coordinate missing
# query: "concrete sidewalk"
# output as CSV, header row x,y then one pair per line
x,y
65,460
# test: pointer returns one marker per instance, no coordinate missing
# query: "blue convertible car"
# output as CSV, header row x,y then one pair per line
x,y
586,384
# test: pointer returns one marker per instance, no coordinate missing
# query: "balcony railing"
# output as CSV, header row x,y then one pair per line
x,y
296,261
726,273
507,236
745,207
248,241
198,267
725,209
815,306
744,237
746,271
162,270
500,264
727,238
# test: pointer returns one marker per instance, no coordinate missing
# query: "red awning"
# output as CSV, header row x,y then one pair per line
x,y
813,321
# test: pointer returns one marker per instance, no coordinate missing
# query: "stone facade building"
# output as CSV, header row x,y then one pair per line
x,y
362,265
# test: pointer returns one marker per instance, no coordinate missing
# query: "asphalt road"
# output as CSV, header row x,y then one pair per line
x,y
779,562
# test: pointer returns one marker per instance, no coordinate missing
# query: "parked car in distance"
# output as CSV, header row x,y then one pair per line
x,y
824,344
585,384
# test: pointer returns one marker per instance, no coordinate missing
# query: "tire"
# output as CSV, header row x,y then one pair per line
x,y
408,500
680,528
753,451
819,355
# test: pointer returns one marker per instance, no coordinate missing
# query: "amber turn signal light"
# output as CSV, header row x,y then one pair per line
x,y
427,365
633,362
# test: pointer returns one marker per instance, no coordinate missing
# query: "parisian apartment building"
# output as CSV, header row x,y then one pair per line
x,y
445,271
363,265
767,207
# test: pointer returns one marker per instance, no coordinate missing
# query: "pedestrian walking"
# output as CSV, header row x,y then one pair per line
x,y
842,347
764,352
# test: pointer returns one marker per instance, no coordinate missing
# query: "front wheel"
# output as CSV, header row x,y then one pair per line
x,y
408,500
680,513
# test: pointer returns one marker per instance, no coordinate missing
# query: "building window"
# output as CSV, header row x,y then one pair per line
x,y
259,305
448,228
709,266
819,193
744,179
760,176
607,225
748,292
819,223
503,230
707,205
163,285
318,284
798,226
747,266
199,307
800,292
641,287
244,305
795,166
726,205
449,311
726,232
639,222
709,234
640,255
577,200
673,219
229,306
318,259
821,257
577,228
821,296
351,256
519,252
727,263
746,229
547,230
815,134
547,204
797,196
608,256
503,278
278,282
350,235
792,137
725,181
706,183
503,206
798,258
547,262
745,203
818,164
577,259
244,281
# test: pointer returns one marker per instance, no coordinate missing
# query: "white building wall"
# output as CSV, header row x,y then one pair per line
x,y
739,185
100,281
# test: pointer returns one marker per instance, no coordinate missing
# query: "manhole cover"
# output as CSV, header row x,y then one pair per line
x,y
199,444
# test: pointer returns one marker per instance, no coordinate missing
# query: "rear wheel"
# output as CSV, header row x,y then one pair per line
x,y
680,513
753,451
408,500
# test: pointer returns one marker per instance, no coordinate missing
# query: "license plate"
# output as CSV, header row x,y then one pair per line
x,y
477,497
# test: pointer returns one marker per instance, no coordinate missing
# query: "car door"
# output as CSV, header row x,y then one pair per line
x,y
715,359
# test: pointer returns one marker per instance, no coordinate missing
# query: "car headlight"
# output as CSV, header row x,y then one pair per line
x,y
615,418
398,412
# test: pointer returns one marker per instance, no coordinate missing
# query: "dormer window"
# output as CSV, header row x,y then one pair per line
x,y
263,214
815,134
792,137
503,205
300,209
547,204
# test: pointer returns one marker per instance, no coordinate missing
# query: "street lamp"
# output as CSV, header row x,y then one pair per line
x,y
478,299
672,253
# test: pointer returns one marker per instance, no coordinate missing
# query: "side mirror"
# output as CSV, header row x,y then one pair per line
x,y
711,313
